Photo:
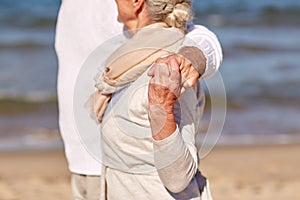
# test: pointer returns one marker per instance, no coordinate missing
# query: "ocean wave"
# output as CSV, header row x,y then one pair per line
x,y
237,6
23,105
219,13
13,20
13,38
23,45
32,139
243,15
30,13
263,48
33,97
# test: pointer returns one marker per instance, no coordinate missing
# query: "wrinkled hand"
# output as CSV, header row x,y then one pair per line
x,y
164,90
189,74
165,84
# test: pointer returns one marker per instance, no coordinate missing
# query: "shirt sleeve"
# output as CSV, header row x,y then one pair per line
x,y
175,157
204,39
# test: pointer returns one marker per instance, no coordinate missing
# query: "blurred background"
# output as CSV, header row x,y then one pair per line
x,y
261,73
261,70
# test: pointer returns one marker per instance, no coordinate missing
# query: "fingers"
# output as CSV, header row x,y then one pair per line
x,y
191,82
171,61
167,78
162,59
151,71
175,63
161,74
165,72
155,67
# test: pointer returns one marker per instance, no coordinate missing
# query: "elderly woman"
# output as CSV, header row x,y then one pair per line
x,y
150,114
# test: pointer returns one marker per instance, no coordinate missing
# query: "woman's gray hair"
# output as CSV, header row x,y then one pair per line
x,y
175,13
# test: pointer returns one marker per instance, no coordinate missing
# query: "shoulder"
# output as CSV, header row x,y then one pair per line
x,y
200,31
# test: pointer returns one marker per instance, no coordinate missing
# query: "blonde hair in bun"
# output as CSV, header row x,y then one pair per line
x,y
175,13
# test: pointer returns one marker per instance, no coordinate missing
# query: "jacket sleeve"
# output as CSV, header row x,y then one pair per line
x,y
208,43
175,157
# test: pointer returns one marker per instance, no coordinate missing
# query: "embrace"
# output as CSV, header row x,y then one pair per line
x,y
149,102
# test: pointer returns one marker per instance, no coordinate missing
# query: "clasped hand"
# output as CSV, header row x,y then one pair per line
x,y
171,75
165,87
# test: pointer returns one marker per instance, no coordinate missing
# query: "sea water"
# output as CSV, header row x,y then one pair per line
x,y
261,70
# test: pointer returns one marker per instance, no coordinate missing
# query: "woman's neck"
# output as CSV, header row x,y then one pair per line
x,y
142,20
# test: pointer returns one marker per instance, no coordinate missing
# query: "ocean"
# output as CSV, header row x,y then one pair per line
x,y
260,70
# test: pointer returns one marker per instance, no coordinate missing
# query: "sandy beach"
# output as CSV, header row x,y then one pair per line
x,y
254,173
34,175
235,173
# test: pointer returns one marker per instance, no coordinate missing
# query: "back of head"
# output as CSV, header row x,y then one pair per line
x,y
175,13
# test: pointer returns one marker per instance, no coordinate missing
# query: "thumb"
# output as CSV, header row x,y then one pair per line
x,y
182,90
151,70
190,82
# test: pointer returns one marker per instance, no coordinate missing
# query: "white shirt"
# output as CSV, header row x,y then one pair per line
x,y
81,27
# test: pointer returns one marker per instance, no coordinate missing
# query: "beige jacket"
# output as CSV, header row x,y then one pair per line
x,y
136,166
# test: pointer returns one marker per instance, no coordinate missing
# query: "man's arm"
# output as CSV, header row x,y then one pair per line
x,y
207,42
200,55
174,155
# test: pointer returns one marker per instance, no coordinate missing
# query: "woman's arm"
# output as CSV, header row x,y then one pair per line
x,y
175,153
174,125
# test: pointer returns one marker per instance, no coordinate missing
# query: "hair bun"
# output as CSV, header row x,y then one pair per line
x,y
180,15
175,13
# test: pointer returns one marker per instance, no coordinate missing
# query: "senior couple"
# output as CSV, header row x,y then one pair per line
x,y
150,84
